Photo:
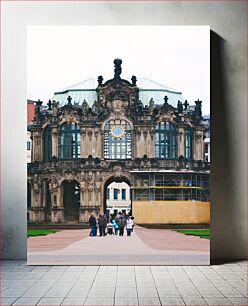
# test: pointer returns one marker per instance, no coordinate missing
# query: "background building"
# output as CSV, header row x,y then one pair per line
x,y
30,117
118,198
138,133
206,119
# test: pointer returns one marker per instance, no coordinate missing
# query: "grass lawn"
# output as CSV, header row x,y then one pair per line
x,y
203,233
39,232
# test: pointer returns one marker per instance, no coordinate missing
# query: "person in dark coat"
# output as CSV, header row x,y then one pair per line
x,y
121,224
105,222
101,224
93,227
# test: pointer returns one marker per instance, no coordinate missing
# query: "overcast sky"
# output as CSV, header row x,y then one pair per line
x,y
176,56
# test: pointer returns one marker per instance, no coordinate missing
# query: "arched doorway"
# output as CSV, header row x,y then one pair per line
x,y
71,200
117,196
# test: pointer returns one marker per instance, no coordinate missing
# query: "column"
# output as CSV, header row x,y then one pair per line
x,y
37,210
37,145
55,141
145,142
83,143
198,145
180,142
151,144
138,143
57,208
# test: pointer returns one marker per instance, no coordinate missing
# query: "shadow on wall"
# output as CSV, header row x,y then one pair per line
x,y
223,226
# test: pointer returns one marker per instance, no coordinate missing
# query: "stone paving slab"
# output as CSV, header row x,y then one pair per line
x,y
179,286
144,247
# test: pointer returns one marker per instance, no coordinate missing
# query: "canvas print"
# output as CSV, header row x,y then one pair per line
x,y
118,145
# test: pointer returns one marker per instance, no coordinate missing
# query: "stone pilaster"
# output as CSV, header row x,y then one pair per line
x,y
57,209
138,138
37,145
97,144
83,144
198,145
90,142
180,142
151,143
55,141
145,142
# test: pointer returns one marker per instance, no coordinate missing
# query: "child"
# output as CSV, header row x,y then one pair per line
x,y
110,228
115,226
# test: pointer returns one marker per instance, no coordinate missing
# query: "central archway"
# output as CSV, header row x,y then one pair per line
x,y
117,196
71,200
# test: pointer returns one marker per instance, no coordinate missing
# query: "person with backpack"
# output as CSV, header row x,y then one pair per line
x,y
122,223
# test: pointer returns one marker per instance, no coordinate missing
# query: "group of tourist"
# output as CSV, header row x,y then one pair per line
x,y
112,225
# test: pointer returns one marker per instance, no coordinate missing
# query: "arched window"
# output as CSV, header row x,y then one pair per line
x,y
117,140
69,141
166,144
47,143
187,144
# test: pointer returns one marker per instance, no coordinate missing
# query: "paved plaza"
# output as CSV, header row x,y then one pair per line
x,y
144,247
123,285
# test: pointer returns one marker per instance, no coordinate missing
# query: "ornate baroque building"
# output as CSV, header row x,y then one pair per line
x,y
80,147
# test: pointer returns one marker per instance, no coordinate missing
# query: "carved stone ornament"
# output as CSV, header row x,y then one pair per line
x,y
90,188
85,107
69,177
36,184
90,178
98,177
118,171
117,106
53,185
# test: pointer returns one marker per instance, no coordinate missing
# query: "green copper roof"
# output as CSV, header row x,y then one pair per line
x,y
148,89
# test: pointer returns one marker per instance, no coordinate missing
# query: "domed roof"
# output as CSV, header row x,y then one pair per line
x,y
148,90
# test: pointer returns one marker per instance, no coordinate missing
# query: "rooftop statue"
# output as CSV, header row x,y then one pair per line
x,y
117,70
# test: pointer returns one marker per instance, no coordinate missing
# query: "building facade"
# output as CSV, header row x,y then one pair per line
x,y
206,120
118,198
125,135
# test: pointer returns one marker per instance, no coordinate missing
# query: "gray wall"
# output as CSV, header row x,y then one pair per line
x,y
228,102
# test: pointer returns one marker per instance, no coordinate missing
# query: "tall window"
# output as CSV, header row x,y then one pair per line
x,y
165,146
47,143
187,144
69,141
117,140
28,145
116,193
123,194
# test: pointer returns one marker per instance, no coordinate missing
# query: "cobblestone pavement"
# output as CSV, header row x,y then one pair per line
x,y
144,247
123,285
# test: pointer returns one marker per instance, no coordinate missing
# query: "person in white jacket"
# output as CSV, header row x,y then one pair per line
x,y
129,226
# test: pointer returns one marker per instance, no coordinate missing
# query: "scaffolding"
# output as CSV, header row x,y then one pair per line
x,y
162,186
